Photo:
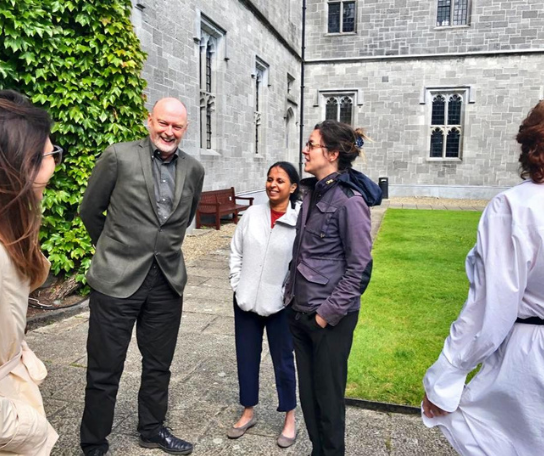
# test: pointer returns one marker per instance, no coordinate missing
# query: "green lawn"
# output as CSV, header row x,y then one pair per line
x,y
418,287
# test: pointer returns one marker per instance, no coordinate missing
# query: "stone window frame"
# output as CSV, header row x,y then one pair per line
x,y
452,14
341,18
212,49
323,95
260,85
429,94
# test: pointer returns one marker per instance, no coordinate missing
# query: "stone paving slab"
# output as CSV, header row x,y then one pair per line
x,y
203,399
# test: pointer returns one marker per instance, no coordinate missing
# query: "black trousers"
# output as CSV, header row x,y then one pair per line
x,y
322,364
248,330
156,309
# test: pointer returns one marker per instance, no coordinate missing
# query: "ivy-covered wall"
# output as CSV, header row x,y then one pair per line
x,y
81,61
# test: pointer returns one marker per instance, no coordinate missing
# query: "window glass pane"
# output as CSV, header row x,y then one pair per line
x,y
443,13
439,107
257,90
437,143
453,143
203,113
331,113
334,17
454,110
348,19
258,80
346,108
460,12
209,125
209,68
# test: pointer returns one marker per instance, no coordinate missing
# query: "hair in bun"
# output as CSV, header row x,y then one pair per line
x,y
341,137
531,139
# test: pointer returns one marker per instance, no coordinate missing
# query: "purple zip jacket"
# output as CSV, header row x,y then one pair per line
x,y
332,263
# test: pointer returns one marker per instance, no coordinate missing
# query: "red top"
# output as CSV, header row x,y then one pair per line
x,y
275,215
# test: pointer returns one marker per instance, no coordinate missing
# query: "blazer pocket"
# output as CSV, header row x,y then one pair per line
x,y
311,275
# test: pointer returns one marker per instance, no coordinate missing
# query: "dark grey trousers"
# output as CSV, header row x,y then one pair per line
x,y
322,366
156,309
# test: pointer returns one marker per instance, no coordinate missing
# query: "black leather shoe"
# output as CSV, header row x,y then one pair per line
x,y
167,443
96,452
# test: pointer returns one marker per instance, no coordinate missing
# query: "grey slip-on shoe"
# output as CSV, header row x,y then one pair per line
x,y
237,432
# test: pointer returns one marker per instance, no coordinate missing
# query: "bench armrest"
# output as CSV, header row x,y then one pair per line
x,y
250,199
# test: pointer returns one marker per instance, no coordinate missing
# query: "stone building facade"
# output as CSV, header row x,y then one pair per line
x,y
236,64
440,86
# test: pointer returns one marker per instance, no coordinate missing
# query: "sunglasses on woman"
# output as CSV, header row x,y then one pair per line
x,y
57,155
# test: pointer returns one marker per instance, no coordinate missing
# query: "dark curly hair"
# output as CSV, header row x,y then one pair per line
x,y
341,137
531,139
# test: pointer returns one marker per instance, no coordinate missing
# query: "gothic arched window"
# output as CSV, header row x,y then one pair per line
x,y
446,125
339,108
331,112
346,109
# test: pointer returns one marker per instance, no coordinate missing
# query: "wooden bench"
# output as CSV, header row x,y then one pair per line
x,y
219,203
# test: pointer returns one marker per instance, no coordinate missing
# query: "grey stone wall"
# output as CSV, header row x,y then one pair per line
x,y
397,52
168,31
503,89
408,27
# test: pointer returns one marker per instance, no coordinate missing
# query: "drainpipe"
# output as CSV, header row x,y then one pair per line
x,y
303,53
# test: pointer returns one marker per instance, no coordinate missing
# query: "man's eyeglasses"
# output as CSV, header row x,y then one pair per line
x,y
311,146
57,155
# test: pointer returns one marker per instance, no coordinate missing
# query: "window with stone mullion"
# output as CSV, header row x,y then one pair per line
x,y
339,108
341,16
452,12
207,89
257,112
446,126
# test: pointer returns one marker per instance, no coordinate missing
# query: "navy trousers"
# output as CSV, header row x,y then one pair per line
x,y
249,328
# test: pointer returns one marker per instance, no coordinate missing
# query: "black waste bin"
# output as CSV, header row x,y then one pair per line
x,y
383,183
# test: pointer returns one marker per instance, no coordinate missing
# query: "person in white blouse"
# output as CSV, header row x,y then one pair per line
x,y
501,326
27,162
261,250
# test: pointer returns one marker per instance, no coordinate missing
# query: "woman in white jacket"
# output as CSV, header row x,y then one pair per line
x,y
499,413
261,250
27,162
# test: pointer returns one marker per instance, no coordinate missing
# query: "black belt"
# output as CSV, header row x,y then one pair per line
x,y
530,321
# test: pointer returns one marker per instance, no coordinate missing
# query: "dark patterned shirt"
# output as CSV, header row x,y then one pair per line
x,y
164,176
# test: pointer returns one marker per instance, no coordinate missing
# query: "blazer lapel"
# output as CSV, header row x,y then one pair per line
x,y
145,160
181,174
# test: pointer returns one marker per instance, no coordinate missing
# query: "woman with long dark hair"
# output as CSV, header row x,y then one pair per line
x,y
330,271
27,162
260,254
501,324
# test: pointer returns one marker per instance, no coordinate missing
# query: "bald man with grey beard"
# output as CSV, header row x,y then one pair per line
x,y
141,198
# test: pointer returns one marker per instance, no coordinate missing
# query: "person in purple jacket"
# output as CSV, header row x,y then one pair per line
x,y
329,272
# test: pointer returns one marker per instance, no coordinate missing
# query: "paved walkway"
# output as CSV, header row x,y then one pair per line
x,y
204,389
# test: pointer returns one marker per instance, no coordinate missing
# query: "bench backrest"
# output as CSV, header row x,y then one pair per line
x,y
223,197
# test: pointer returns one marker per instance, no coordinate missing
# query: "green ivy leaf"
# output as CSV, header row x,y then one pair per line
x,y
81,61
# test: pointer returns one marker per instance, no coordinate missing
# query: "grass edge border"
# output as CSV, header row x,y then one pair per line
x,y
384,407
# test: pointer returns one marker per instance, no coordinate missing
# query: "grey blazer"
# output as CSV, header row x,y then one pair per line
x,y
129,237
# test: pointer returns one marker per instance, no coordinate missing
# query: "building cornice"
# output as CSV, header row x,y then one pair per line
x,y
452,55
